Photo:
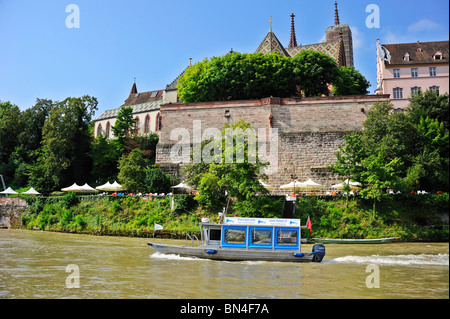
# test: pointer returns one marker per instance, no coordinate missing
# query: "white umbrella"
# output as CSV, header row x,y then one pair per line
x,y
79,189
72,188
9,191
348,182
310,184
31,191
116,187
266,186
182,185
88,189
291,185
104,187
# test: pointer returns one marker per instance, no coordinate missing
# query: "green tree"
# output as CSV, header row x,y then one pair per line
x,y
379,174
350,82
124,125
237,76
429,104
66,141
30,138
104,154
132,170
156,181
234,169
314,72
10,128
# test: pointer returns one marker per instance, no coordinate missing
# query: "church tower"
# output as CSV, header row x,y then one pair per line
x,y
333,33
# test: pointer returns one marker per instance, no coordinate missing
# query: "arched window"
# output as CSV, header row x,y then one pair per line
x,y
99,130
147,124
108,129
136,124
406,56
158,122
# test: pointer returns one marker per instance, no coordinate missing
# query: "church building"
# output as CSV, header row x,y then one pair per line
x,y
146,105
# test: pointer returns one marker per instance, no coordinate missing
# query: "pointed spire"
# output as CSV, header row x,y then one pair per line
x,y
134,88
336,14
293,40
341,59
270,23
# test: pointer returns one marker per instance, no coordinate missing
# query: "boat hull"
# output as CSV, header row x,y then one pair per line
x,y
354,241
230,254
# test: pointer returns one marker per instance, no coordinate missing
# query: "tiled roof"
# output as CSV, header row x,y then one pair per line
x,y
144,97
137,108
330,48
419,52
174,84
271,44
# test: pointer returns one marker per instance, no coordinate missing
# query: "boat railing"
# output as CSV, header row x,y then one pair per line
x,y
192,239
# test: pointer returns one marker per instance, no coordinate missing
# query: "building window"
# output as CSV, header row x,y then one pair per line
x,y
158,122
108,129
415,90
438,55
434,88
147,124
432,71
99,130
398,93
396,73
414,72
136,123
406,56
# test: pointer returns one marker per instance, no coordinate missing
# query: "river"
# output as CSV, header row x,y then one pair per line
x,y
36,264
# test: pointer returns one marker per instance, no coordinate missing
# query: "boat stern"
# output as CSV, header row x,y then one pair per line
x,y
318,251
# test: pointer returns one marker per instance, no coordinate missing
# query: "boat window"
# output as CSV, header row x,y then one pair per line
x,y
261,236
234,236
286,237
214,234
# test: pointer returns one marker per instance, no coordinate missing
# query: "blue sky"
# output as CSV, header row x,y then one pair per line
x,y
153,40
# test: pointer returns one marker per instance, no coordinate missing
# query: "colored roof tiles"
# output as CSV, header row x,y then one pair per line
x,y
271,44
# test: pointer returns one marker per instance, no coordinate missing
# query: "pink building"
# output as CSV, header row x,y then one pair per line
x,y
407,68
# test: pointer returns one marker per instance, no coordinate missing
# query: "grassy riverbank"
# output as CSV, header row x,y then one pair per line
x,y
410,217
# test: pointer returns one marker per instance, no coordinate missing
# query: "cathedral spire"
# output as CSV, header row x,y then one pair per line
x,y
293,40
336,14
341,59
134,88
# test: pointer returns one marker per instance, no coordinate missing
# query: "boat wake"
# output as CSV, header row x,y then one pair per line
x,y
404,260
158,255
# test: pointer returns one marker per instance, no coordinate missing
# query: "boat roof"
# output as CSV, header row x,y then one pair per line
x,y
284,222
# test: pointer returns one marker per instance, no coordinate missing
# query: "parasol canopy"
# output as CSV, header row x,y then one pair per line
x,y
309,184
182,185
31,191
348,182
104,187
9,191
79,189
292,185
266,186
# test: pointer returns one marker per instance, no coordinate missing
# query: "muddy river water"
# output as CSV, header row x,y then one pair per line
x,y
35,264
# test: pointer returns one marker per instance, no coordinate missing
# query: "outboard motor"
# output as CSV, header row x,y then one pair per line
x,y
319,252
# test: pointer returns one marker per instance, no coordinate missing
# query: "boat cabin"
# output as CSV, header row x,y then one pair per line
x,y
252,233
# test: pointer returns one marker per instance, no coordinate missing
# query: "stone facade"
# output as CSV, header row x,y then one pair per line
x,y
11,209
309,130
